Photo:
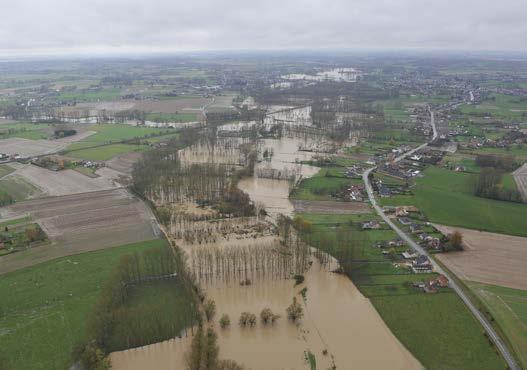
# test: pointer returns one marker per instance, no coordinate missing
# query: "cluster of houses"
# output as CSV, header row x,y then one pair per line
x,y
354,171
433,285
507,140
384,190
355,192
402,170
418,263
426,240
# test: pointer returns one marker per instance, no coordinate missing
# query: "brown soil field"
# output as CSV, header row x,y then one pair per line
x,y
124,163
488,258
330,207
81,223
95,107
30,148
64,182
171,105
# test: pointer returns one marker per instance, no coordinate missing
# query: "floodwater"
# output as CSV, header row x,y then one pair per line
x,y
274,193
336,74
338,318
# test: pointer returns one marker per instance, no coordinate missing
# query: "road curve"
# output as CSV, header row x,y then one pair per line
x,y
511,362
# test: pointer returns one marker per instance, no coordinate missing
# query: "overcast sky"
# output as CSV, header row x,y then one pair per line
x,y
98,26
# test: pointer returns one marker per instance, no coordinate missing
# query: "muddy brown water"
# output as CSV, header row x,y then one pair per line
x,y
338,318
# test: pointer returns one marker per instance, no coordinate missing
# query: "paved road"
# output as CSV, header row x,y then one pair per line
x,y
453,285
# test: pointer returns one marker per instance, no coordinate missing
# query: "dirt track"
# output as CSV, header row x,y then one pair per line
x,y
488,258
81,223
330,207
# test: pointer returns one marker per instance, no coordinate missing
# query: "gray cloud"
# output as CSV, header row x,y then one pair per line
x,y
50,26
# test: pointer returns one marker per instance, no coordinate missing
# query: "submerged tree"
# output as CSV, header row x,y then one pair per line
x,y
210,309
225,321
268,317
247,319
295,311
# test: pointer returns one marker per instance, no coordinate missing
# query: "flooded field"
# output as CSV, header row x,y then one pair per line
x,y
338,319
221,151
339,327
273,191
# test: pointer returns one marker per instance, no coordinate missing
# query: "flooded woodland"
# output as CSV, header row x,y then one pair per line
x,y
251,262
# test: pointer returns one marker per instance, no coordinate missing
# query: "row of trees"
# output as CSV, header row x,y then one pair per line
x,y
204,352
163,177
505,163
112,325
261,259
488,184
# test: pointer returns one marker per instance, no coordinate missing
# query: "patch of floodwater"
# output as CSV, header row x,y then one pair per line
x,y
335,74
273,192
337,319
290,116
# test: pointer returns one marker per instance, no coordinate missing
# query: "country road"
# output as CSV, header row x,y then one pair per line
x,y
511,362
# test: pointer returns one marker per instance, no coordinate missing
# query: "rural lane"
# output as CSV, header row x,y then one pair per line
x,y
511,362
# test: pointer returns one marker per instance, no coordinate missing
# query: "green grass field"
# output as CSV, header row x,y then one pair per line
x,y
44,307
506,107
172,117
18,188
509,309
106,152
115,133
87,95
445,197
439,330
165,300
326,182
5,170
519,151
25,130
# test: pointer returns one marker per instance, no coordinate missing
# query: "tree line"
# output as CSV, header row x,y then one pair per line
x,y
113,325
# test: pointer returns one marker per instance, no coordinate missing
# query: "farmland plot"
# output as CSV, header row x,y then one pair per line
x,y
489,258
81,223
64,182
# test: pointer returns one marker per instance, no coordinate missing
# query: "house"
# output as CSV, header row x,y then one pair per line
x,y
433,243
409,255
430,288
421,265
371,225
385,192
404,220
441,281
424,237
389,209
396,243
416,229
401,212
